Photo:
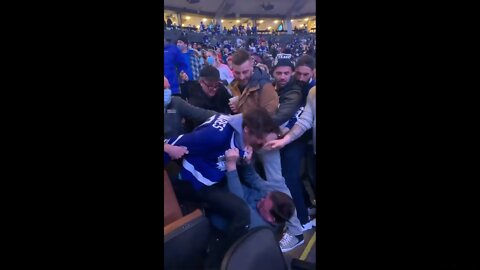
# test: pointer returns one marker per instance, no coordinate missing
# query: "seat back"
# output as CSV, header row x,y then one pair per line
x,y
171,208
185,242
257,249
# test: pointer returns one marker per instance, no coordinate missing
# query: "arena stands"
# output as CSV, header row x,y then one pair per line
x,y
240,149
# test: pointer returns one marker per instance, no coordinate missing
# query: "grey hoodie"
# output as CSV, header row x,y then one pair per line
x,y
236,122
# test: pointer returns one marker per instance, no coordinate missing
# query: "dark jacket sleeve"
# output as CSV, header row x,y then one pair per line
x,y
224,100
191,112
288,107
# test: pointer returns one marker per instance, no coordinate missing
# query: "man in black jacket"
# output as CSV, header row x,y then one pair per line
x,y
207,93
176,111
290,94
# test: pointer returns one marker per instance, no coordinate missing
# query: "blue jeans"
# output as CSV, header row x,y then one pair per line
x,y
272,165
310,168
292,155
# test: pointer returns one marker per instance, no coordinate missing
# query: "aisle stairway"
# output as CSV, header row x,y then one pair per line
x,y
305,252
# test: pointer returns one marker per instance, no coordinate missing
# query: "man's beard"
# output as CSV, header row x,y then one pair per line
x,y
302,84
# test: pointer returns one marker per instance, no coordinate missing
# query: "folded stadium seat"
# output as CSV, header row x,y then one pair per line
x,y
257,249
185,242
185,238
183,195
171,209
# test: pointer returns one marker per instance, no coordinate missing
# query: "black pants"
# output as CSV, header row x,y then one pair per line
x,y
235,210
220,201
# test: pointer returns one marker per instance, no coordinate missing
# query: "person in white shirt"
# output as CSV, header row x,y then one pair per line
x,y
225,72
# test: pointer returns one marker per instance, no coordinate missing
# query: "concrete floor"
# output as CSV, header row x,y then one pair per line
x,y
297,252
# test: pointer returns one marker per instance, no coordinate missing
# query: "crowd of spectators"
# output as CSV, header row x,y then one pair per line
x,y
239,132
235,30
263,49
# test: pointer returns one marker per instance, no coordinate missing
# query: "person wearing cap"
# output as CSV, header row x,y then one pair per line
x,y
207,93
290,97
191,58
306,121
176,110
291,106
289,92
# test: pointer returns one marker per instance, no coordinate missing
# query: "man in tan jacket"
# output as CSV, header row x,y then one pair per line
x,y
251,86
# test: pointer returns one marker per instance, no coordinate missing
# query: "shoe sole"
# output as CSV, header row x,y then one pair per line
x,y
288,249
309,226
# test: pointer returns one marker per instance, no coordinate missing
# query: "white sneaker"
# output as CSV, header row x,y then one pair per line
x,y
289,242
309,225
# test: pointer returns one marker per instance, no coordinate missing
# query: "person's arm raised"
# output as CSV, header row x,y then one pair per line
x,y
233,181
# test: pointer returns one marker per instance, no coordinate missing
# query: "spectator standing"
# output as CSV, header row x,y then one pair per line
x,y
290,100
304,76
191,57
251,85
208,93
306,121
304,71
225,73
253,88
174,63
176,110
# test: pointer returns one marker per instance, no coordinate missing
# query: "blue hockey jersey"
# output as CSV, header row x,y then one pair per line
x,y
204,165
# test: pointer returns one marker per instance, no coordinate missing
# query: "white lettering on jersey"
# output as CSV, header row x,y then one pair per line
x,y
221,122
221,163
